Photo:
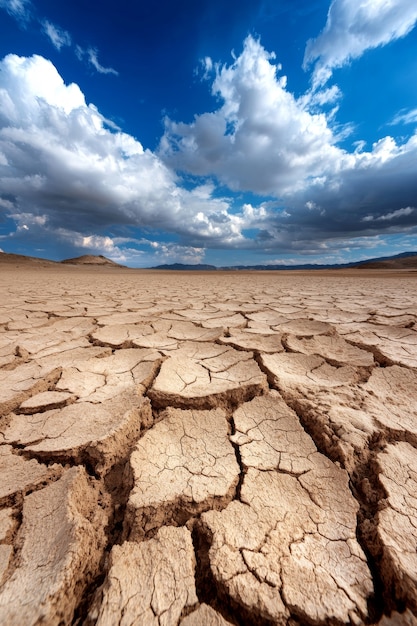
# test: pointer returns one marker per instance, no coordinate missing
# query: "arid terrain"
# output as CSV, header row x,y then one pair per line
x,y
205,449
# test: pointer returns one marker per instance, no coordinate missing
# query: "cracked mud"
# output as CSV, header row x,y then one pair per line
x,y
182,449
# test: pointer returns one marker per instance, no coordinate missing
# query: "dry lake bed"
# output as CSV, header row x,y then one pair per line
x,y
204,449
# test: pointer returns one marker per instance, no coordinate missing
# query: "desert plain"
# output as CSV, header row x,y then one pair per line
x,y
205,449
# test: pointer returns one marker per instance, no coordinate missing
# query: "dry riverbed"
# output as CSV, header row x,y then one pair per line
x,y
185,449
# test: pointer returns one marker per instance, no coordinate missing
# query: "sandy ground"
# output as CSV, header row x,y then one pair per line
x,y
207,448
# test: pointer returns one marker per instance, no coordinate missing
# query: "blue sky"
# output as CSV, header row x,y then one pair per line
x,y
224,132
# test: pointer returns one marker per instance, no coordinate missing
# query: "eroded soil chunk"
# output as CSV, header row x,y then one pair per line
x,y
20,475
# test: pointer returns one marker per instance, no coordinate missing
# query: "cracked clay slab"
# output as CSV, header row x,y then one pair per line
x,y
270,436
100,434
45,401
184,465
391,345
60,544
205,615
244,340
392,399
18,385
306,372
99,379
397,523
335,350
206,375
289,545
345,418
20,475
149,583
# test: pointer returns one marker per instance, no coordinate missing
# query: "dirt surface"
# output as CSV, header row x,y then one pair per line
x,y
220,448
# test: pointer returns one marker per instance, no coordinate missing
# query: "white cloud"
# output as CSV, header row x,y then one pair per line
x,y
38,79
22,11
264,140
405,117
27,220
354,26
261,139
95,242
67,176
145,251
172,253
92,58
62,161
6,204
58,36
206,67
19,9
390,216
322,97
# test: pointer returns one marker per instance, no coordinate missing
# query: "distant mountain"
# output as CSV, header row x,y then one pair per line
x,y
91,259
402,261
405,260
181,266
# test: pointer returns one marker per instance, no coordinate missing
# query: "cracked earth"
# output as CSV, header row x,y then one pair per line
x,y
187,449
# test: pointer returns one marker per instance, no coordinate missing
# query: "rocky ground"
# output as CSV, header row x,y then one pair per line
x,y
194,449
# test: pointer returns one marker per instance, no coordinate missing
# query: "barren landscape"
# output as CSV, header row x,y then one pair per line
x,y
186,448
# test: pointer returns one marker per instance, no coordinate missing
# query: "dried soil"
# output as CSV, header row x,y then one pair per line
x,y
228,448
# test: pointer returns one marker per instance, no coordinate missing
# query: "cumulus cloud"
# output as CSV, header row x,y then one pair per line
x,y
261,139
61,163
58,36
68,176
374,195
174,253
354,26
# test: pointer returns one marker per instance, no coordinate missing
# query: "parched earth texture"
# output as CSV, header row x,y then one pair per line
x,y
185,449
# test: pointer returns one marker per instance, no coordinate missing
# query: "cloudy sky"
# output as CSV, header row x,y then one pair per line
x,y
218,131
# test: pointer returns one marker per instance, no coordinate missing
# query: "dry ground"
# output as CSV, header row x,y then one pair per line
x,y
207,448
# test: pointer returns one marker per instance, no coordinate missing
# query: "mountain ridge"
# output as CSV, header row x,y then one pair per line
x,y
403,260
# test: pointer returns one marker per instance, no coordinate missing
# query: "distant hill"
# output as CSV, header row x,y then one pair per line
x,y
7,258
403,261
91,259
181,266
